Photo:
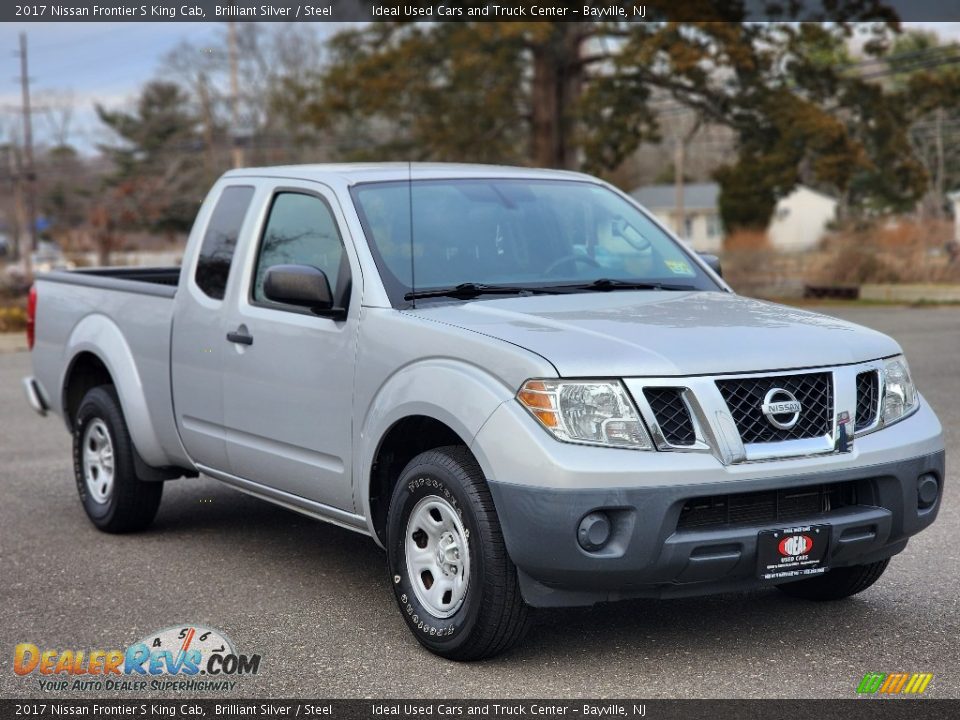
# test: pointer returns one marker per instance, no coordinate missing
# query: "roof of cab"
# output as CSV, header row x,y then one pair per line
x,y
354,173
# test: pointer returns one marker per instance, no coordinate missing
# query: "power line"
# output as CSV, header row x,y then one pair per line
x,y
930,64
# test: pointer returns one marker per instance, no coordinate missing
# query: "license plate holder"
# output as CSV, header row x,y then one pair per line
x,y
792,552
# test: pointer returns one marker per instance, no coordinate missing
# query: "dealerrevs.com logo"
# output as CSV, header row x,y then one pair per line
x,y
186,657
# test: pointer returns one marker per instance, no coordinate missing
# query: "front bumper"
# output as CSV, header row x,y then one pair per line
x,y
649,555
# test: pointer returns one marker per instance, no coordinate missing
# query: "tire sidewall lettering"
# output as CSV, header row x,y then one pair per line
x,y
88,412
424,484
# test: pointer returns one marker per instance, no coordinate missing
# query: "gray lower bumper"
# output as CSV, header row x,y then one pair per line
x,y
649,556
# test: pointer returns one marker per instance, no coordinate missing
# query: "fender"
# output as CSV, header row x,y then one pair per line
x,y
430,387
100,336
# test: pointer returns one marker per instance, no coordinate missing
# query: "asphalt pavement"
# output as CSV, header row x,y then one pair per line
x,y
315,602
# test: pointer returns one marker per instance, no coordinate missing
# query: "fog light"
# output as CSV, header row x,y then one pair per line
x,y
927,491
594,531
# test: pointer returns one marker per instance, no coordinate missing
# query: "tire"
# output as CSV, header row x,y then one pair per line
x,y
490,615
114,498
838,583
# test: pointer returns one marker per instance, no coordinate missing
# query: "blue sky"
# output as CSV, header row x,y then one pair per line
x,y
107,62
102,63
98,62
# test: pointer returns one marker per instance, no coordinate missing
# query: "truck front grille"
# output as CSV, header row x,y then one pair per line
x,y
765,507
671,414
744,397
868,399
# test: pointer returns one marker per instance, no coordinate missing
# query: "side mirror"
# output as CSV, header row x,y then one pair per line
x,y
712,261
303,286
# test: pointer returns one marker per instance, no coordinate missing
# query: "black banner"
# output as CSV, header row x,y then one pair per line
x,y
460,10
863,709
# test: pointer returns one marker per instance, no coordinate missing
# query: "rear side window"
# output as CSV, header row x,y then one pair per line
x,y
220,240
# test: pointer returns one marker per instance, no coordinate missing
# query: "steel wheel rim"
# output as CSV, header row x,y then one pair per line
x,y
438,556
98,461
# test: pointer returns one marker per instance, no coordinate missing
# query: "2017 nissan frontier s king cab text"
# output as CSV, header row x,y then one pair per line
x,y
515,381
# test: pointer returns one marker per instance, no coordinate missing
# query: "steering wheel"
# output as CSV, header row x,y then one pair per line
x,y
570,260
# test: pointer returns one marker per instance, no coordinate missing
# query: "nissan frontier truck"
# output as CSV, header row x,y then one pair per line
x,y
517,382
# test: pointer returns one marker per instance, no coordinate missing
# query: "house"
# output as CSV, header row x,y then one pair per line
x,y
701,227
799,220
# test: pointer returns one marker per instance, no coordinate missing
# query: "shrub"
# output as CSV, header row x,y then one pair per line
x,y
13,318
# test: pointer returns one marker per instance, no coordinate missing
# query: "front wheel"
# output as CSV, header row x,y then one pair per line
x,y
453,580
838,583
114,498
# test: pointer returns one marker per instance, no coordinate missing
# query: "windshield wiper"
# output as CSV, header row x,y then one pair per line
x,y
469,290
607,284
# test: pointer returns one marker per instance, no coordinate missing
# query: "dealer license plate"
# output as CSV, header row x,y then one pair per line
x,y
792,552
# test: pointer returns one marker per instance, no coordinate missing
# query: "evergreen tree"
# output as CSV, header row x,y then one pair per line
x,y
157,182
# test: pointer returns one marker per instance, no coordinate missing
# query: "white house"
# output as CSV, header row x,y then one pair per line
x,y
799,220
702,226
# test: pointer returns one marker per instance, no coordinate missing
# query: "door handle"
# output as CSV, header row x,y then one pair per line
x,y
240,336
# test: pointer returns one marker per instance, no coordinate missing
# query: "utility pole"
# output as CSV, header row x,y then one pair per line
x,y
20,212
206,108
679,155
681,140
236,148
28,167
941,169
11,164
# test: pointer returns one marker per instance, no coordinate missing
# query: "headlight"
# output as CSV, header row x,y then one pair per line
x,y
598,412
899,396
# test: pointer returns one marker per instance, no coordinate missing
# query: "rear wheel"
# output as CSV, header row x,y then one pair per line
x,y
453,580
838,583
114,498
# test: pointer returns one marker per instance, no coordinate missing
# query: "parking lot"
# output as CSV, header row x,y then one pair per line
x,y
314,599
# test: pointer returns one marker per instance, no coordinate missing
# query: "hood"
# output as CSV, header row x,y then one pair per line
x,y
665,333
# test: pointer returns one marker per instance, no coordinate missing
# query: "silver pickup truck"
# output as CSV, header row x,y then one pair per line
x,y
516,381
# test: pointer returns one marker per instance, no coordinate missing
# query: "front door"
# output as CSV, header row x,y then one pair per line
x,y
288,377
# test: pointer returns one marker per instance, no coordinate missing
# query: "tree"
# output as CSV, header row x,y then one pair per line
x,y
587,94
157,182
272,62
418,92
66,186
926,79
831,125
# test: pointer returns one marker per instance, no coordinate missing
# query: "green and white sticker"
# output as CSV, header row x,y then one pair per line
x,y
679,267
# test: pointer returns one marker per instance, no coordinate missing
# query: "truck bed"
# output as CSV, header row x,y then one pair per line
x,y
160,281
124,317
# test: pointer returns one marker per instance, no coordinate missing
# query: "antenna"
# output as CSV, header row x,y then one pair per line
x,y
413,277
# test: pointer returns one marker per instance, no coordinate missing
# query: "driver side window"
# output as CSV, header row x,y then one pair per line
x,y
300,230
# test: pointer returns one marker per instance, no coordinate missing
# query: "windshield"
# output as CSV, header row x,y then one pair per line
x,y
536,234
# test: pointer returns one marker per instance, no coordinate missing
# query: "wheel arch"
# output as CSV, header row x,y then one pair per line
x,y
405,439
424,406
84,372
99,354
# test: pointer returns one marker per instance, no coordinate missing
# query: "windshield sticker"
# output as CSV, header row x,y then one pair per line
x,y
679,267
